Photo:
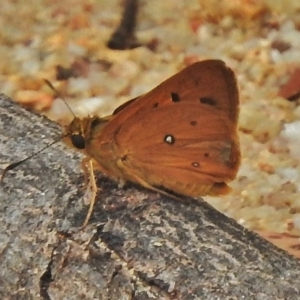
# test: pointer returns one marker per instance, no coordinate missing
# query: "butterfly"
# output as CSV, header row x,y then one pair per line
x,y
180,137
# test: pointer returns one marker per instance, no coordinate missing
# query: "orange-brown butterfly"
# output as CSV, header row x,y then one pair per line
x,y
179,137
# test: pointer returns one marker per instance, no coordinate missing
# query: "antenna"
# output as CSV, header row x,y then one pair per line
x,y
59,95
16,164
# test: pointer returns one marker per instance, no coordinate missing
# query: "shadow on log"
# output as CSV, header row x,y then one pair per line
x,y
138,244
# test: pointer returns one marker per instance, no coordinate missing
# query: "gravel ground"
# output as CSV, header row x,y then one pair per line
x,y
259,40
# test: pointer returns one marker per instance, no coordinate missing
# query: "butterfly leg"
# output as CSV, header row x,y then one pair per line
x,y
87,165
85,168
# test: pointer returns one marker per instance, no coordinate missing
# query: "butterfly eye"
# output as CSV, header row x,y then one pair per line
x,y
78,141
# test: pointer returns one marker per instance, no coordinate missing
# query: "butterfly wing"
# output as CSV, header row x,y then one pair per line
x,y
188,153
182,135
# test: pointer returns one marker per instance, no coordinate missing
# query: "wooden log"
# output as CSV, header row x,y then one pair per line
x,y
138,244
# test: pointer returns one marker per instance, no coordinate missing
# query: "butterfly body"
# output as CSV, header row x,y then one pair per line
x,y
181,136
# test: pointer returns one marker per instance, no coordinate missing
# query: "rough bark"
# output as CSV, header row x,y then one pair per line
x,y
138,244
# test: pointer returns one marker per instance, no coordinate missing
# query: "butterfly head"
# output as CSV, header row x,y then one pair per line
x,y
80,131
76,133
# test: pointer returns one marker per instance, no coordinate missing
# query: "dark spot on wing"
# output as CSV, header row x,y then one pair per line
x,y
169,139
175,97
208,101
